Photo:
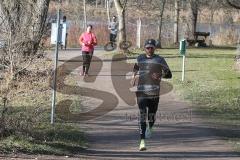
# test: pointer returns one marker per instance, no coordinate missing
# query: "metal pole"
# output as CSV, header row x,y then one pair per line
x,y
183,68
138,40
55,67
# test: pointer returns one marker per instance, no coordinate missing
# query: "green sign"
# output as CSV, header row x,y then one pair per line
x,y
182,47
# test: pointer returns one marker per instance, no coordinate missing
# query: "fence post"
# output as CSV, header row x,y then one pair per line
x,y
138,37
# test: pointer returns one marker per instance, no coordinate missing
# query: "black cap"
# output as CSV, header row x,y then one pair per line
x,y
150,43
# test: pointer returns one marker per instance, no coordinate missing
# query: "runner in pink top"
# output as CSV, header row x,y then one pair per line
x,y
87,40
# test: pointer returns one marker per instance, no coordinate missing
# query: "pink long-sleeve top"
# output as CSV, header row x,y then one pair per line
x,y
88,41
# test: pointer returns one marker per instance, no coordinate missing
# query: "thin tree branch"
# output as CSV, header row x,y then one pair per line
x,y
233,5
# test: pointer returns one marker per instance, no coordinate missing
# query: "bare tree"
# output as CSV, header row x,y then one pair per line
x,y
194,5
160,19
85,14
25,22
121,9
213,6
176,21
234,3
103,3
22,28
154,9
96,3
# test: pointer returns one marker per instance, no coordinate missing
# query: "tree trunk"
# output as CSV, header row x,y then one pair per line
x,y
162,6
22,29
110,3
194,24
121,19
194,16
85,14
211,26
105,3
26,22
236,4
102,3
176,20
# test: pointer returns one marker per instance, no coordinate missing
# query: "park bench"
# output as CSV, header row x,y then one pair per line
x,y
197,41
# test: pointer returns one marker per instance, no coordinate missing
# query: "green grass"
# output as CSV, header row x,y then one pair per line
x,y
213,87
45,139
235,143
210,83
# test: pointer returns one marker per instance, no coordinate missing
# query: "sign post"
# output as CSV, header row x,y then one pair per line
x,y
58,37
182,50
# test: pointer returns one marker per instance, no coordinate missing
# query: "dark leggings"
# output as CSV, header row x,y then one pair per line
x,y
87,57
152,104
113,37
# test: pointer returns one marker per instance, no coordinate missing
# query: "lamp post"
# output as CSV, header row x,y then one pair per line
x,y
56,63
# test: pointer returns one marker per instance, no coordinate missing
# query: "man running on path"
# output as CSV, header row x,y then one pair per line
x,y
151,68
